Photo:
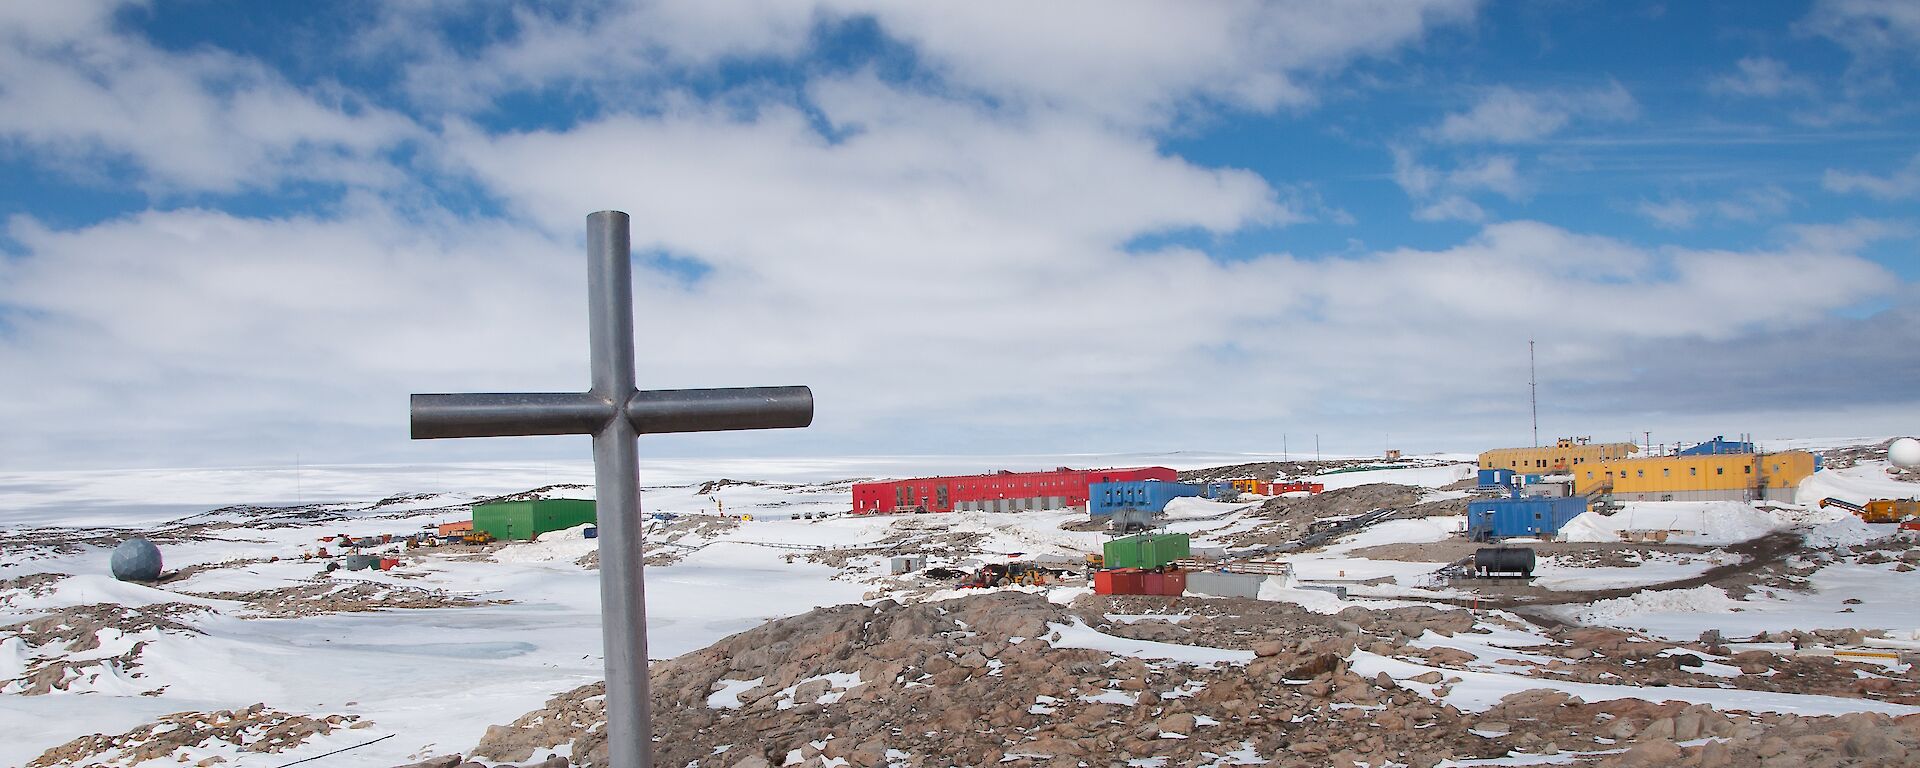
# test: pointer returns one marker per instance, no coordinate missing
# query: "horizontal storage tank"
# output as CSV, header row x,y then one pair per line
x,y
1513,561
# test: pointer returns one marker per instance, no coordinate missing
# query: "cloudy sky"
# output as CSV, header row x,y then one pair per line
x,y
236,233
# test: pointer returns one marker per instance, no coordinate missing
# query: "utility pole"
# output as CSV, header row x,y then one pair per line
x,y
1316,447
1533,393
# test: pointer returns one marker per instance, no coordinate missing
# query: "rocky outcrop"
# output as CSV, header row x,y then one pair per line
x,y
977,682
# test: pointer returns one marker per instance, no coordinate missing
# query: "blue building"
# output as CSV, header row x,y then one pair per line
x,y
1147,495
1718,445
1521,516
1221,490
1496,478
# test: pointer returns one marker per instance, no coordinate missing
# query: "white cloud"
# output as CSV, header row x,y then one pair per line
x,y
1763,77
1129,62
1443,195
1673,214
1866,27
904,292
1450,208
72,90
1898,184
1848,236
1507,115
1756,204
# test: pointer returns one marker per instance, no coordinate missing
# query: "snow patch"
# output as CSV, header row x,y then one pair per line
x,y
1702,599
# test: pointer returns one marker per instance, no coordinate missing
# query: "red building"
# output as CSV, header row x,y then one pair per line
x,y
1001,491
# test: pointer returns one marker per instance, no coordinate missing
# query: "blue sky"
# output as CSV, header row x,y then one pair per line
x,y
974,227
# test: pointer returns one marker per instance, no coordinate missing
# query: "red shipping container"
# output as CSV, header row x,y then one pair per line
x,y
1103,582
387,563
1175,584
1127,581
1152,583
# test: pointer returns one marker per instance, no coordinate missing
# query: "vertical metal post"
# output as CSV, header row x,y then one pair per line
x,y
1533,394
623,599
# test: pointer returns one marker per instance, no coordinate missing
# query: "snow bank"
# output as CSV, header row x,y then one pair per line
x,y
1703,599
1859,484
578,532
1431,477
1848,531
1477,691
1194,508
1706,523
1079,635
568,545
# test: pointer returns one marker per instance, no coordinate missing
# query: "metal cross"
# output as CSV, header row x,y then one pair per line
x,y
614,413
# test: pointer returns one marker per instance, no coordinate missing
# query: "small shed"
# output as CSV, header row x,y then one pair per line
x,y
523,520
1522,516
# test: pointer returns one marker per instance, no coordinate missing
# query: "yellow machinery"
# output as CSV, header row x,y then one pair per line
x,y
476,537
1878,510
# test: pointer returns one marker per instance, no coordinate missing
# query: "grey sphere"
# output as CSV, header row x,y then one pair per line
x,y
136,559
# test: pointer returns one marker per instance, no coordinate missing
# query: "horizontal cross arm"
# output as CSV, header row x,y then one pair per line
x,y
502,415
717,410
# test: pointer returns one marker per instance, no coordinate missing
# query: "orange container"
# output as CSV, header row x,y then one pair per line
x,y
387,563
1174,584
1103,582
448,529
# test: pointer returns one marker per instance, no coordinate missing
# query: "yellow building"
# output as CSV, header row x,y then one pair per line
x,y
1708,477
1565,454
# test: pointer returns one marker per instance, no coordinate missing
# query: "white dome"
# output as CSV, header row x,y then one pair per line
x,y
1905,452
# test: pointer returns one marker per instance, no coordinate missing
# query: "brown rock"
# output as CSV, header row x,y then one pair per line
x,y
1181,723
1657,752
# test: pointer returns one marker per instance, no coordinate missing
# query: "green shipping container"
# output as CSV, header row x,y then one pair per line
x,y
1147,550
522,520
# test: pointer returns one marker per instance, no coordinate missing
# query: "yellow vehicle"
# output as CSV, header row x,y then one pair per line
x,y
476,537
1878,510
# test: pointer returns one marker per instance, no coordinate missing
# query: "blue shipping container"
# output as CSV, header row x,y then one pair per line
x,y
1496,478
1221,490
1149,495
1525,516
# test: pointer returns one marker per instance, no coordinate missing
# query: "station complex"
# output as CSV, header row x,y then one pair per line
x,y
1715,470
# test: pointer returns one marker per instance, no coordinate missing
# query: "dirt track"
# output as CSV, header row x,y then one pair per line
x,y
1757,553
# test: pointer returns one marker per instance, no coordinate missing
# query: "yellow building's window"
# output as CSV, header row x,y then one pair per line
x,y
1719,470
1693,471
1747,470
1639,473
1666,473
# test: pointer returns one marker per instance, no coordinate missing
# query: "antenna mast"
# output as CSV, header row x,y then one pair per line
x,y
1533,393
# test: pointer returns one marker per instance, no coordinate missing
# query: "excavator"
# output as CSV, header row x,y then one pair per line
x,y
1878,510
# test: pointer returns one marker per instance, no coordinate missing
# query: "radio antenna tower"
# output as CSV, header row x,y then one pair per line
x,y
1533,393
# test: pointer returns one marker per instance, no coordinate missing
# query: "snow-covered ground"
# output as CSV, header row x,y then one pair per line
x,y
434,678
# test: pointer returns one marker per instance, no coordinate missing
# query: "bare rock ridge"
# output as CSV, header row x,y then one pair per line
x,y
979,682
